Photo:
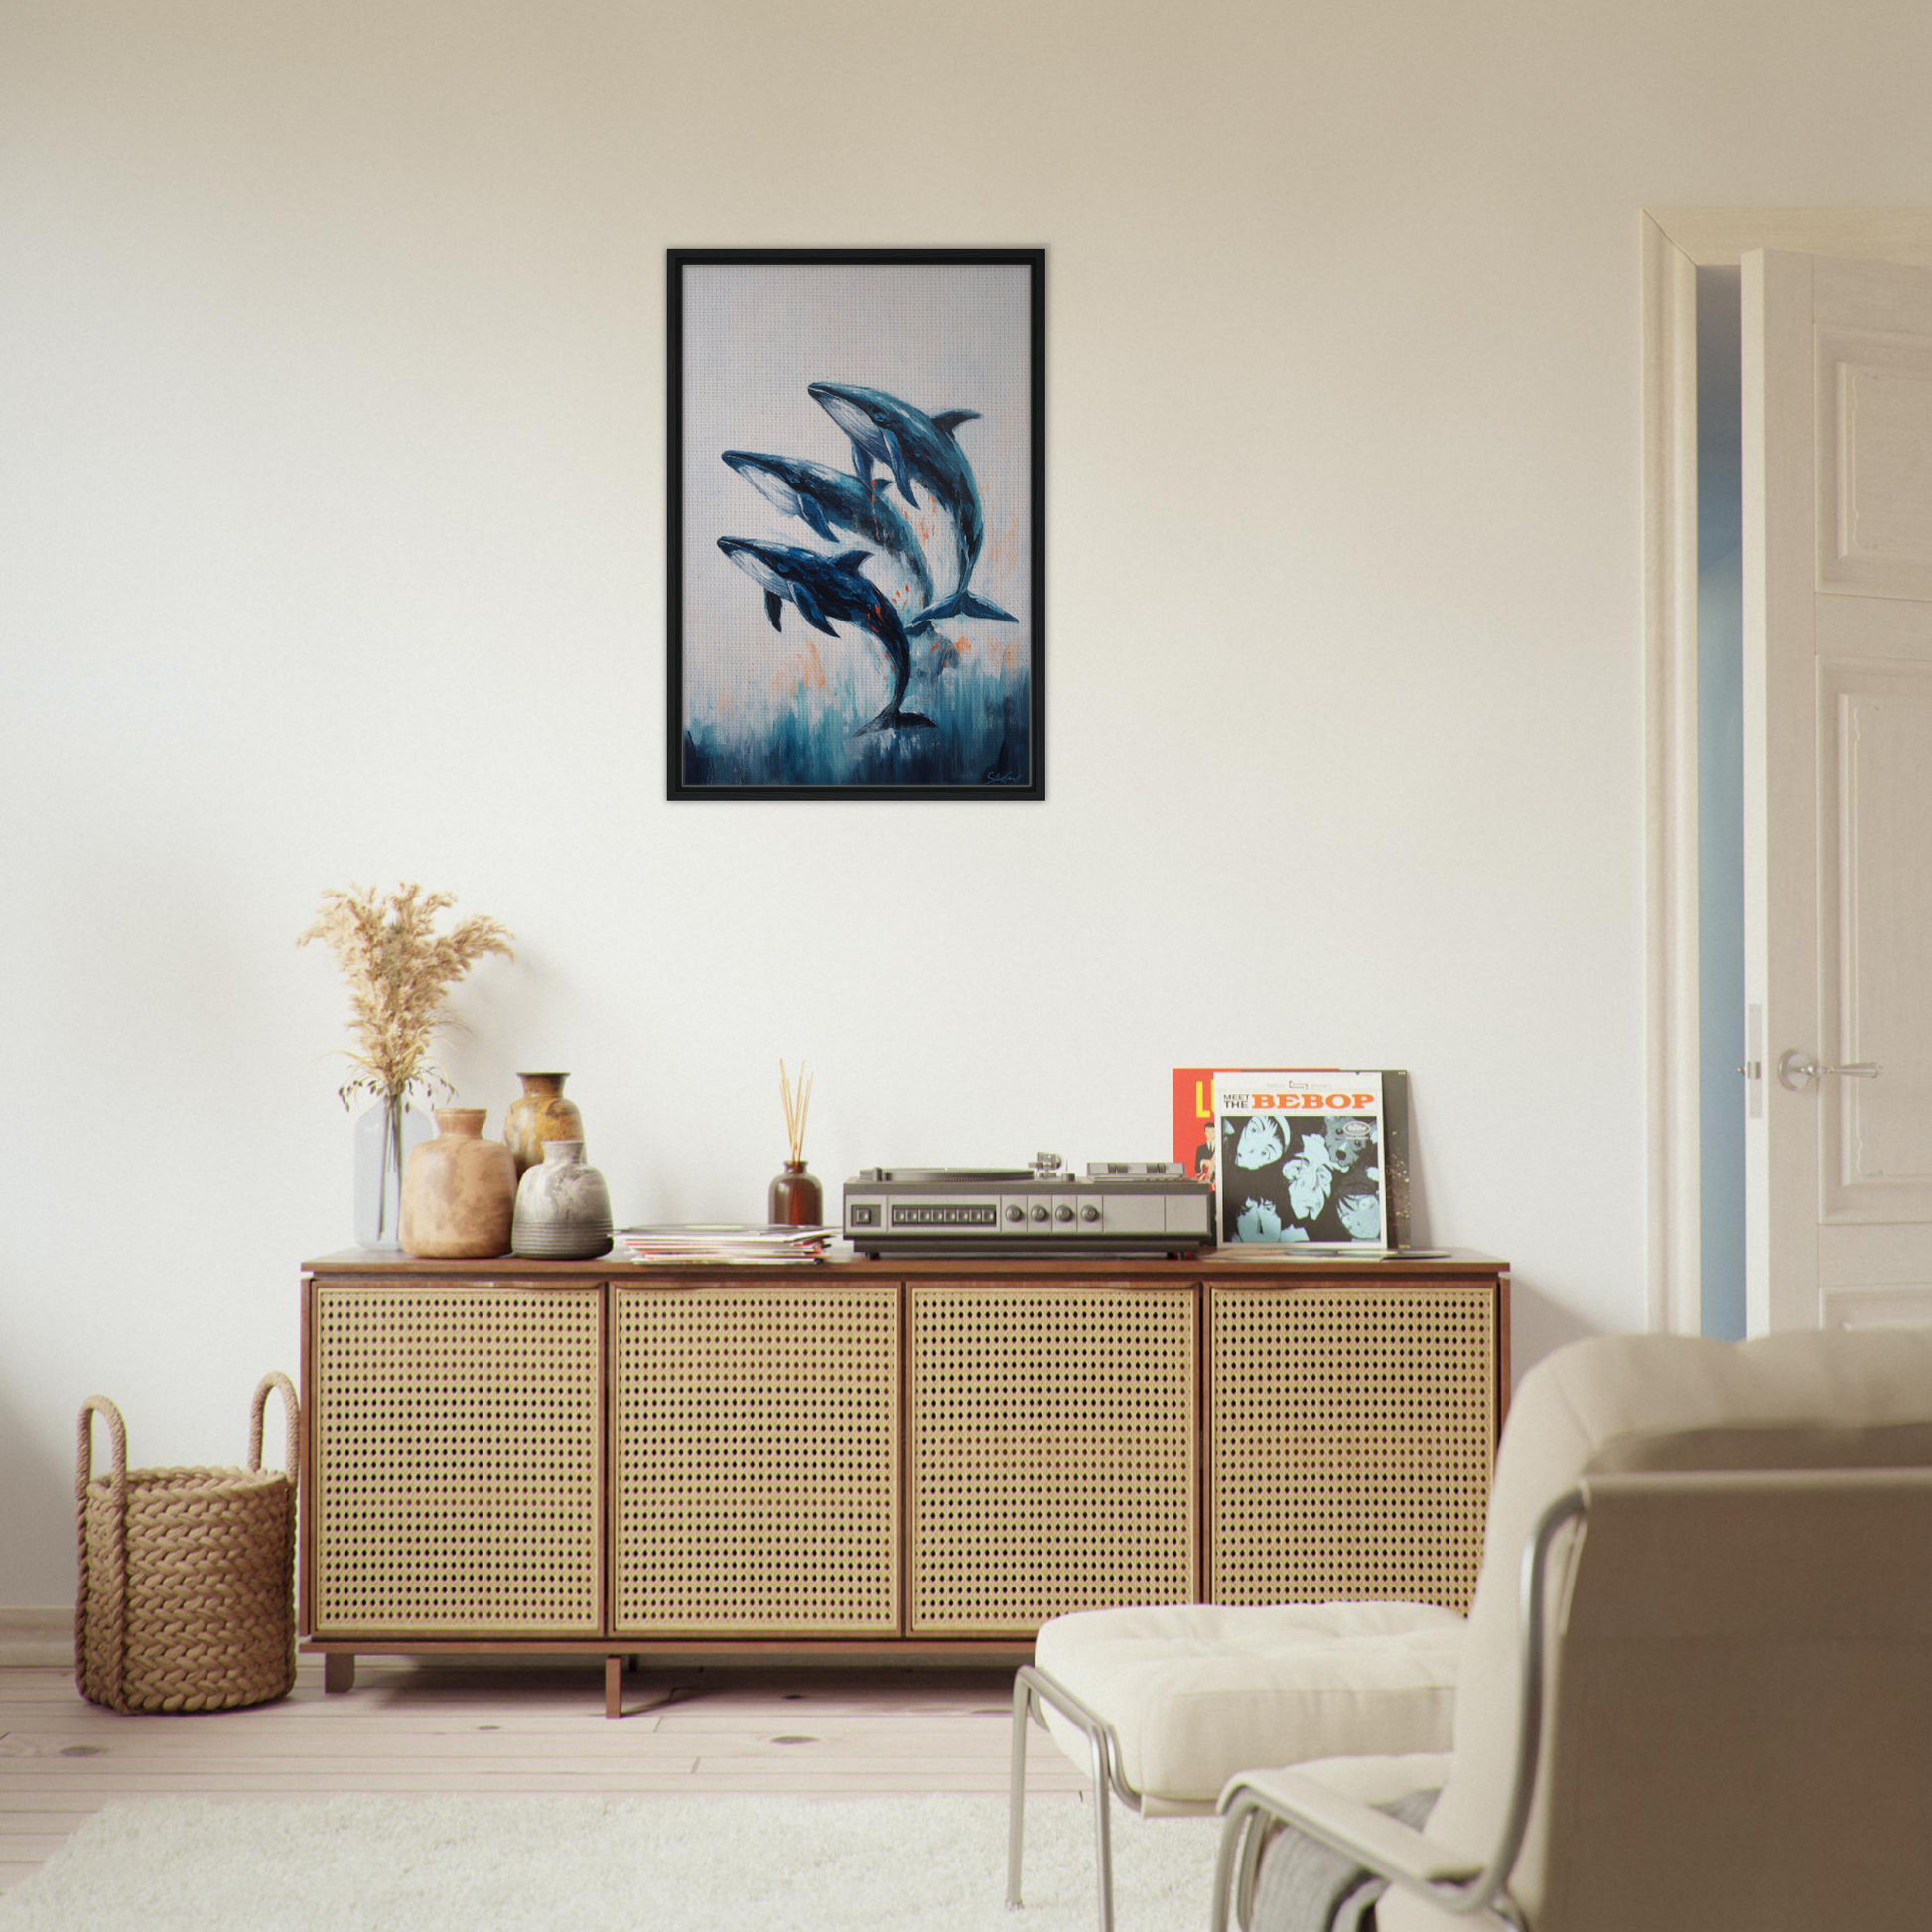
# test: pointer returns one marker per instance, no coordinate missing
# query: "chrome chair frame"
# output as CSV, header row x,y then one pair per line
x,y
1253,1816
1031,1689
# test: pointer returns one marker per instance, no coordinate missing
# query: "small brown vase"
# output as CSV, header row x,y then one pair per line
x,y
796,1200
540,1114
459,1190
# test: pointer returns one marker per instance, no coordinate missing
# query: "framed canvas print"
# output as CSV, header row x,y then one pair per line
x,y
856,556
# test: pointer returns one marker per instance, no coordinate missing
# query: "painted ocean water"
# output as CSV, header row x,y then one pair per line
x,y
979,709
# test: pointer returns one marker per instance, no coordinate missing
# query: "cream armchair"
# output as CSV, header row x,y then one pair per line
x,y
1162,1706
1695,1691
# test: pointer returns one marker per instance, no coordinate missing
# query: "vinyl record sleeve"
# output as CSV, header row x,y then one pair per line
x,y
1196,1148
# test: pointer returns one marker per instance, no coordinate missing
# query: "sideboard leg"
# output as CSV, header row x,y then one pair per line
x,y
614,1687
339,1669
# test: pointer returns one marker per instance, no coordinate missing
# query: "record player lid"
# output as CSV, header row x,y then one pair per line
x,y
939,1174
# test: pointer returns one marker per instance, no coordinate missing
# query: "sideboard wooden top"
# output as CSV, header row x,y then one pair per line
x,y
1219,1265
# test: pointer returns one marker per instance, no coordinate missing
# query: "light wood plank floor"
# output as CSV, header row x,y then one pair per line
x,y
509,1727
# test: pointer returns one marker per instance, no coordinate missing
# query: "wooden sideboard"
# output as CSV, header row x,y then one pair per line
x,y
879,1459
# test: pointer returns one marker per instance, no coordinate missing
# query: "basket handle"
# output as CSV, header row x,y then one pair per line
x,y
117,1434
112,1613
290,1408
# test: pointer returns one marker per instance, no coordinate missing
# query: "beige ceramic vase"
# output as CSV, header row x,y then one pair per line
x,y
459,1190
540,1114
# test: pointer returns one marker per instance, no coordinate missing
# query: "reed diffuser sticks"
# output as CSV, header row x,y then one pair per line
x,y
798,1104
795,1198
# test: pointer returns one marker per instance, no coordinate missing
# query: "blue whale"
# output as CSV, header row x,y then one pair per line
x,y
821,589
827,500
916,447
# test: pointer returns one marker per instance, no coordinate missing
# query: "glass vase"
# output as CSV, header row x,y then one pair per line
x,y
385,1135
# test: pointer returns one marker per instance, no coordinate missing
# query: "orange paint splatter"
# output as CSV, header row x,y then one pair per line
x,y
801,672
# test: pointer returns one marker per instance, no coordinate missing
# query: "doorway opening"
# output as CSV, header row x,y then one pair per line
x,y
1694,1047
1721,799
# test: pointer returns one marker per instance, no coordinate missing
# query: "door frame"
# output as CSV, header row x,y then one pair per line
x,y
1676,242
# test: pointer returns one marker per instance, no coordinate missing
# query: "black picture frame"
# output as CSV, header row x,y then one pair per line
x,y
737,344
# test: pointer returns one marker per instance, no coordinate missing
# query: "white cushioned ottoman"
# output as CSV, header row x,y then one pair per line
x,y
1198,1692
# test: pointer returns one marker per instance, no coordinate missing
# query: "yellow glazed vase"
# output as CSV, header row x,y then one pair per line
x,y
540,1114
459,1190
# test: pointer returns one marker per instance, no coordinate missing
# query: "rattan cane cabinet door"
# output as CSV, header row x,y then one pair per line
x,y
1352,1439
1053,1452
757,1457
456,1482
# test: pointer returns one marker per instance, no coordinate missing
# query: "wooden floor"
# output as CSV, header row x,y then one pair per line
x,y
510,1727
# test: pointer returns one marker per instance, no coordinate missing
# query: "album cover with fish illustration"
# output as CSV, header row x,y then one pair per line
x,y
1306,1154
856,555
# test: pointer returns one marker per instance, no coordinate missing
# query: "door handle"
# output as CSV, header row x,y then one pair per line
x,y
1797,1070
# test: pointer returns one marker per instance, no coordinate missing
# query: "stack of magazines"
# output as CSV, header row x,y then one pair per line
x,y
700,1241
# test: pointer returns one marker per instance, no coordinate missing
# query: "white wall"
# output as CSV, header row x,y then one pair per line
x,y
331,412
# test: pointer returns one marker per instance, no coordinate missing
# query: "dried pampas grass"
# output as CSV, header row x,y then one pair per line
x,y
398,969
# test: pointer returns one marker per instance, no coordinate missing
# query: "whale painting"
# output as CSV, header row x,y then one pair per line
x,y
827,502
856,495
823,587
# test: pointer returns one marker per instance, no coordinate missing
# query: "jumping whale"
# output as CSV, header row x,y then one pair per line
x,y
823,587
913,445
827,500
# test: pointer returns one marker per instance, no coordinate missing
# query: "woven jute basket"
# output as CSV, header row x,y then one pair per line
x,y
186,1575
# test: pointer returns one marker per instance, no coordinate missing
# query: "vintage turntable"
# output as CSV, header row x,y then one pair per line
x,y
1128,1208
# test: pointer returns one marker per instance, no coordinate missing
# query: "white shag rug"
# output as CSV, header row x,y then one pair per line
x,y
758,1864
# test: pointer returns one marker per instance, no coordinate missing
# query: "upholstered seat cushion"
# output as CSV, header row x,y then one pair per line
x,y
1197,1692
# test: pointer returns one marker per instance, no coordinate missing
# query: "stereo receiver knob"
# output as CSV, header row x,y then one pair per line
x,y
1089,1213
1040,1215
1064,1213
1014,1212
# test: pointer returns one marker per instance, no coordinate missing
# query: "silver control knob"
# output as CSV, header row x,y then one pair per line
x,y
1015,1212
1064,1213
1089,1213
1040,1215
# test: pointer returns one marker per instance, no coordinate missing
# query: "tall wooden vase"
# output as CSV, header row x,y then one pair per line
x,y
540,1113
459,1190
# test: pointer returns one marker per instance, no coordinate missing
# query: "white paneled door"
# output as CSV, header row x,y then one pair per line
x,y
1837,777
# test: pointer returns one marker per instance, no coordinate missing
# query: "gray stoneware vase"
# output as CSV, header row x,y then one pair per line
x,y
563,1208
